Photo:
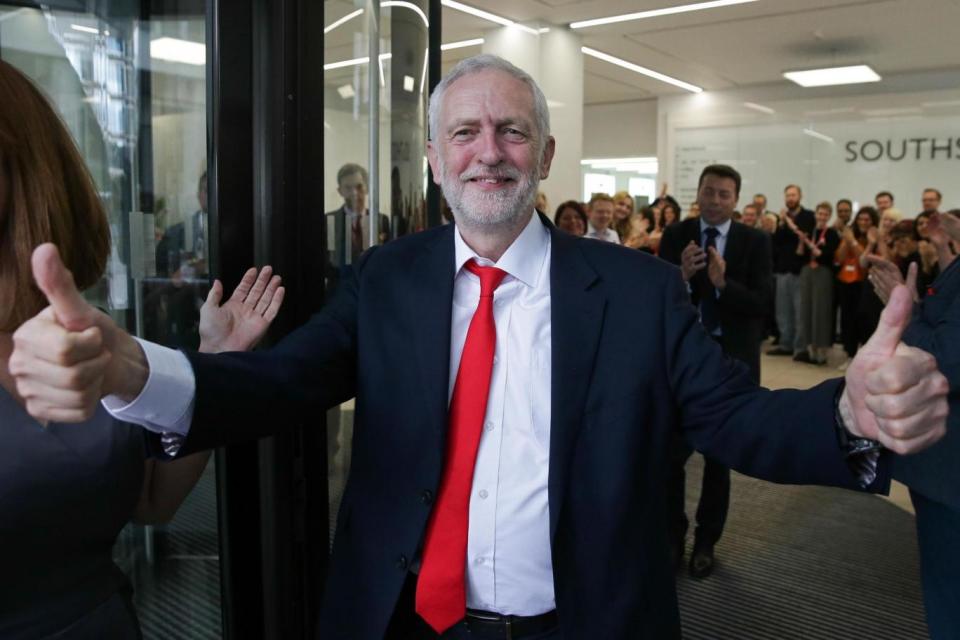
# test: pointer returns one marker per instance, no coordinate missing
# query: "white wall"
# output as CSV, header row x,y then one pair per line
x,y
771,150
620,130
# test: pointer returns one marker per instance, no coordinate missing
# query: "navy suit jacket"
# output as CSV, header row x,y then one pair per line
x,y
631,362
744,304
935,473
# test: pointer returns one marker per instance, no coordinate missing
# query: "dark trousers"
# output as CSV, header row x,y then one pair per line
x,y
714,496
848,297
407,625
938,532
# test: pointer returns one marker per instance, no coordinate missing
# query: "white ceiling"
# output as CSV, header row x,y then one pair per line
x,y
723,48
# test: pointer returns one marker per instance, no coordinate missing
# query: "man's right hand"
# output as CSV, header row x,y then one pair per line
x,y
70,354
692,259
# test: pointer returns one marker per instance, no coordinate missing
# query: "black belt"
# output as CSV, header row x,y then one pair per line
x,y
486,624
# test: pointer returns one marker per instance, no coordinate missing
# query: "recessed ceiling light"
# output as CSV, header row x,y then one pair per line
x,y
409,83
819,136
346,91
650,73
336,23
656,13
175,50
832,76
486,15
461,44
759,107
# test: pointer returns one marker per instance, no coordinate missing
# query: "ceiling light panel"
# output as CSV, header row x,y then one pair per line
x,y
462,43
650,73
175,50
336,23
656,13
833,76
759,107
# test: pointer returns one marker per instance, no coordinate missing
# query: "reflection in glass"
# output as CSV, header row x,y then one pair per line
x,y
140,123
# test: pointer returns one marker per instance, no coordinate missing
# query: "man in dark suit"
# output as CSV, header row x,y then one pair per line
x,y
348,228
727,268
934,475
176,245
507,468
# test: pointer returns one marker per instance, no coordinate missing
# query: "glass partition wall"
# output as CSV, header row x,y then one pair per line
x,y
131,89
375,130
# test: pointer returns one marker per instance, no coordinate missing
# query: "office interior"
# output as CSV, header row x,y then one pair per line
x,y
215,130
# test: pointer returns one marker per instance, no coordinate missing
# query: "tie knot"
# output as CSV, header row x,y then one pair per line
x,y
490,277
711,233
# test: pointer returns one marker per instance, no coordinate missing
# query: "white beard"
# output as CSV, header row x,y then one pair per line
x,y
500,208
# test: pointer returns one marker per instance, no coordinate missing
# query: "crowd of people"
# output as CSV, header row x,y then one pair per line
x,y
822,258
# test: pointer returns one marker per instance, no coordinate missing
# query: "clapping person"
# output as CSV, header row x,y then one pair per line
x,y
67,490
851,275
571,217
816,287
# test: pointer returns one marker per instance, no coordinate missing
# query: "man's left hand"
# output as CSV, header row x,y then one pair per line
x,y
717,269
895,393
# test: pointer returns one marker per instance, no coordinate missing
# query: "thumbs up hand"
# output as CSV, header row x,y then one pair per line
x,y
69,355
894,393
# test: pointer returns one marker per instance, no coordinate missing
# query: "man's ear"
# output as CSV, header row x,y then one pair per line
x,y
548,150
434,159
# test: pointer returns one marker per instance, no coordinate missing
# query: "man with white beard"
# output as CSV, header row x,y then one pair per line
x,y
515,389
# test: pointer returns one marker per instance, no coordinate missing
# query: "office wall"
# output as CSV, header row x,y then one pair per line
x,y
619,130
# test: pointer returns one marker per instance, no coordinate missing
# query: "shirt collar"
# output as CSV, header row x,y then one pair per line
x,y
523,259
722,228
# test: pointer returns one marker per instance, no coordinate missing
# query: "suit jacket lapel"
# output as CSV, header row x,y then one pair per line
x,y
734,248
432,285
577,309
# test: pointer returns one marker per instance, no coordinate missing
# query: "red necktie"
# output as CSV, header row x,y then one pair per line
x,y
441,590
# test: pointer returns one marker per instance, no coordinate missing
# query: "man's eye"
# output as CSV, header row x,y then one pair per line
x,y
514,134
462,133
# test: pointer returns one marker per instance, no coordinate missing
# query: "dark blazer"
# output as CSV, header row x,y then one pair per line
x,y
745,302
631,362
935,328
341,235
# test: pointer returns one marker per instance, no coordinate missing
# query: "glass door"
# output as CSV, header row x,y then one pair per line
x,y
131,87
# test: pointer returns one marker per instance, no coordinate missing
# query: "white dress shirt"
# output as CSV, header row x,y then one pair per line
x,y
509,567
723,232
607,235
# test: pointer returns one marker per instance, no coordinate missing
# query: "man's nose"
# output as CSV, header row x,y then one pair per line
x,y
489,151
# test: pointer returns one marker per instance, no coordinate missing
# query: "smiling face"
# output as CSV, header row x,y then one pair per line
x,y
823,217
601,214
486,154
571,222
931,200
623,207
864,221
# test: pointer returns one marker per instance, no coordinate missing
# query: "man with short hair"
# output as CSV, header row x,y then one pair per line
x,y
931,200
600,217
750,215
760,200
348,228
844,214
515,388
728,270
787,263
883,200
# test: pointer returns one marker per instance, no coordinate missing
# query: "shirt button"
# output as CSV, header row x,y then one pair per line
x,y
402,562
427,496
484,494
489,426
479,561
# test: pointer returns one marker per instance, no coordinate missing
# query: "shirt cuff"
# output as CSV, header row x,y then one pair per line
x,y
165,405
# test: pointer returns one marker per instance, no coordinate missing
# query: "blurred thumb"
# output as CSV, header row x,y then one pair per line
x,y
894,319
216,294
912,277
56,283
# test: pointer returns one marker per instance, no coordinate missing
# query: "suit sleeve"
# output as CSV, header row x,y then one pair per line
x,y
753,296
668,244
242,396
785,436
939,338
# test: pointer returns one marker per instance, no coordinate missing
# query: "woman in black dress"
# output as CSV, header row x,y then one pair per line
x,y
66,491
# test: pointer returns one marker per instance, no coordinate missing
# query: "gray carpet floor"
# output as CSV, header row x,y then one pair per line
x,y
805,563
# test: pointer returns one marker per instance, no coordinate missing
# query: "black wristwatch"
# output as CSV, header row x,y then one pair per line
x,y
852,445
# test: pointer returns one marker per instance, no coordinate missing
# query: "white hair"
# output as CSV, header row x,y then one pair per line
x,y
483,62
